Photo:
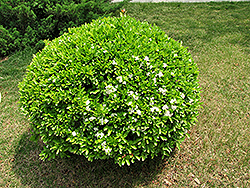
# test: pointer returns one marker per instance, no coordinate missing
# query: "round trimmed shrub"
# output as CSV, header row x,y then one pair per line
x,y
115,88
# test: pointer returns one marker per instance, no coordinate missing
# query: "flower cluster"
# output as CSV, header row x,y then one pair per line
x,y
110,89
135,110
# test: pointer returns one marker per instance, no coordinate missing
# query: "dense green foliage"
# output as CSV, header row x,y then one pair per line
x,y
114,88
28,23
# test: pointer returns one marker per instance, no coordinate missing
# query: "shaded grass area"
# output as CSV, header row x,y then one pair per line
x,y
217,153
76,171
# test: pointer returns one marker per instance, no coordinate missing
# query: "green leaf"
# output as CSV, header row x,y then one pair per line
x,y
109,132
133,147
178,145
143,157
128,162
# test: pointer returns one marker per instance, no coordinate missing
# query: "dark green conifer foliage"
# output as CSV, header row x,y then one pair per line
x,y
27,23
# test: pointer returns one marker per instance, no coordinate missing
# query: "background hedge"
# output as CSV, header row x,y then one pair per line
x,y
28,23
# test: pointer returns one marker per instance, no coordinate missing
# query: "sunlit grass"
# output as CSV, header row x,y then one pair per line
x,y
217,34
217,152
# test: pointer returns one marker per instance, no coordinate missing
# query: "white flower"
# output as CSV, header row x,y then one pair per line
x,y
124,82
107,150
163,91
151,66
92,47
95,128
138,112
136,58
104,121
101,121
164,107
115,95
130,93
167,113
182,95
174,107
191,100
88,108
114,63
172,73
172,101
154,109
74,133
104,144
151,103
87,102
160,74
131,110
154,79
148,73
99,135
190,60
135,97
92,118
119,78
130,76
130,103
150,39
175,55
113,114
105,51
110,89
146,58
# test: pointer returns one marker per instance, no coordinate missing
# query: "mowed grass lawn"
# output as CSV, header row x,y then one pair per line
x,y
217,152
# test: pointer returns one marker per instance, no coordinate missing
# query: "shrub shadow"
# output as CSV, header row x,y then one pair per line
x,y
76,171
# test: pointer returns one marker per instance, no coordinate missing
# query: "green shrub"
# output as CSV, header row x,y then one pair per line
x,y
5,39
36,20
116,88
